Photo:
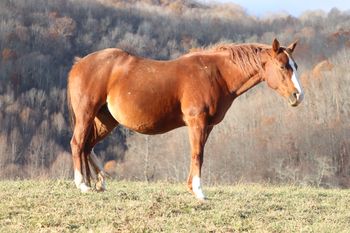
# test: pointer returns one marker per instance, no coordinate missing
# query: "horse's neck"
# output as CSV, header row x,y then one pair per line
x,y
237,82
251,82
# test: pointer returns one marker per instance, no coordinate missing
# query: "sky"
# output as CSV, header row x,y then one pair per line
x,y
262,8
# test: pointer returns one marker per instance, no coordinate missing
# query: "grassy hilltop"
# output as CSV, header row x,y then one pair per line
x,y
57,206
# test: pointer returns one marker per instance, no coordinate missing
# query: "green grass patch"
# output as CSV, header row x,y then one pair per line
x,y
57,206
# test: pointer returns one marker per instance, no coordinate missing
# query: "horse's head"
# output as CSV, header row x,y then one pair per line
x,y
280,72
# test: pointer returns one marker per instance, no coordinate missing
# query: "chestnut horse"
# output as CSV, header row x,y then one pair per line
x,y
112,87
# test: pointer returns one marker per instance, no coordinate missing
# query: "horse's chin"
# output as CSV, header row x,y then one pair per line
x,y
293,102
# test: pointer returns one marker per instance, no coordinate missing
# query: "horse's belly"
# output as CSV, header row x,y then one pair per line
x,y
151,118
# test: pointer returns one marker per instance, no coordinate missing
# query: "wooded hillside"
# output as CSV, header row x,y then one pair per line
x,y
261,139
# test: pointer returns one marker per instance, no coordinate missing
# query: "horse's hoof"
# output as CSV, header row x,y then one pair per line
x,y
200,197
100,186
84,188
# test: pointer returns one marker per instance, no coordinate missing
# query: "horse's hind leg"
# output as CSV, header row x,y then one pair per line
x,y
80,135
102,125
101,174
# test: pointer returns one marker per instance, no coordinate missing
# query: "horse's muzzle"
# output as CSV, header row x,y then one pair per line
x,y
294,99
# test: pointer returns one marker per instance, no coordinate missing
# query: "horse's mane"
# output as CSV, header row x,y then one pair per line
x,y
245,56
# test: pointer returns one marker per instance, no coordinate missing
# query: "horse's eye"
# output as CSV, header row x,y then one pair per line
x,y
283,67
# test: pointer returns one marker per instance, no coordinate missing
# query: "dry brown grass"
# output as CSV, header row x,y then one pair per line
x,y
57,206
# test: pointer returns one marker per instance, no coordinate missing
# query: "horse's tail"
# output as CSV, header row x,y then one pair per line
x,y
69,102
70,108
77,59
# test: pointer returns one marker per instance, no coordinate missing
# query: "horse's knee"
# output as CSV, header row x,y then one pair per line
x,y
76,147
73,144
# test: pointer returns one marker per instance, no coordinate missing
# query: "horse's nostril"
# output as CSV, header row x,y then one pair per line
x,y
295,94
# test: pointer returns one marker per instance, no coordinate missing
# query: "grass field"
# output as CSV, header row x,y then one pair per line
x,y
57,206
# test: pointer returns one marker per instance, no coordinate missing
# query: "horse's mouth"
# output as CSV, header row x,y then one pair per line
x,y
293,101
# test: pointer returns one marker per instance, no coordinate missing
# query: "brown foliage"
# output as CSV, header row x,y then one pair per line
x,y
111,167
260,140
8,54
319,69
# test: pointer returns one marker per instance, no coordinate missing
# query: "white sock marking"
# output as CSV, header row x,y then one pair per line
x,y
196,188
295,79
84,188
78,179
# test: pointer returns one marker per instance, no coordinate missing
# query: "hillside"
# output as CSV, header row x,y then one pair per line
x,y
261,138
56,206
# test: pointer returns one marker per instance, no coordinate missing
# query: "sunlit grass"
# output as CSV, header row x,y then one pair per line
x,y
57,206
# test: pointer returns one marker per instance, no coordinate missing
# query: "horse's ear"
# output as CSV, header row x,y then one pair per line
x,y
291,47
275,45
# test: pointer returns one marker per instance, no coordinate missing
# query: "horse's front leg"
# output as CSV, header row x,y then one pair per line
x,y
198,134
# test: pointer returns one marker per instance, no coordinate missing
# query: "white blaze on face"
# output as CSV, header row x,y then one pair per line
x,y
196,188
295,79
